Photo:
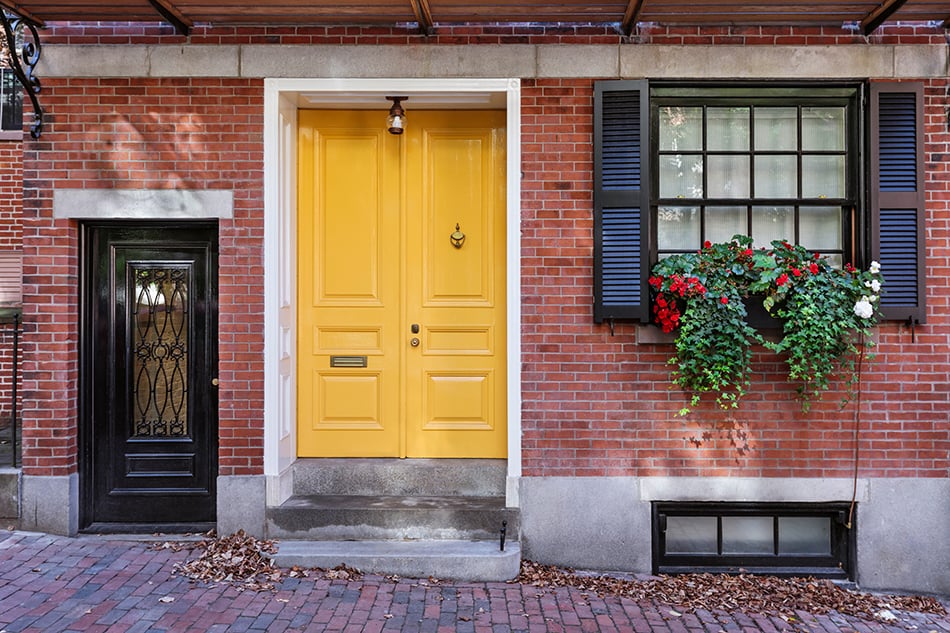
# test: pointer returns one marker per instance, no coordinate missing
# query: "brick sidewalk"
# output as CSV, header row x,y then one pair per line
x,y
94,584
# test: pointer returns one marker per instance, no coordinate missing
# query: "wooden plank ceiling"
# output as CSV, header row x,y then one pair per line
x,y
429,14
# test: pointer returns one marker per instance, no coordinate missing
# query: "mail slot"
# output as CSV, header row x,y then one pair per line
x,y
348,361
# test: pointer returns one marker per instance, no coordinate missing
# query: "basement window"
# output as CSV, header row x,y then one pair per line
x,y
782,539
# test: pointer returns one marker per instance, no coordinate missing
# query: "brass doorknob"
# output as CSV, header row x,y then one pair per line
x,y
214,382
414,342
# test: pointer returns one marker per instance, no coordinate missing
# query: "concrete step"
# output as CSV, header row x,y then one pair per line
x,y
407,477
391,517
480,561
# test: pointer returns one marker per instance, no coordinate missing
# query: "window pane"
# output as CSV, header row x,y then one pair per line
x,y
728,177
677,228
804,535
772,223
691,535
727,129
819,228
823,129
836,261
681,129
776,129
11,101
724,222
747,535
681,176
823,177
776,177
159,325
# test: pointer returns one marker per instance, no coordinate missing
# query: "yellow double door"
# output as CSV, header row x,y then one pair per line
x,y
401,285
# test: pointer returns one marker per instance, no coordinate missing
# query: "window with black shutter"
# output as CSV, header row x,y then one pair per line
x,y
679,164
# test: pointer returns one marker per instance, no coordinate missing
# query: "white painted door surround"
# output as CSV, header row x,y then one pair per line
x,y
282,99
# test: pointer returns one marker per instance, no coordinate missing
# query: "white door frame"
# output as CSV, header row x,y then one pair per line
x,y
282,98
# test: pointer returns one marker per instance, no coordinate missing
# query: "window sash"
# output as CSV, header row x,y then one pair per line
x,y
747,163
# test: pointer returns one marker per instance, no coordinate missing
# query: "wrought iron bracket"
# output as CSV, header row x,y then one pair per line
x,y
23,61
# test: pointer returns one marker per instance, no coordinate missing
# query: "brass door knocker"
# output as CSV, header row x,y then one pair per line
x,y
457,238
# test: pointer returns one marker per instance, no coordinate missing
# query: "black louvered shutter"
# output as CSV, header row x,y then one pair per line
x,y
897,197
621,200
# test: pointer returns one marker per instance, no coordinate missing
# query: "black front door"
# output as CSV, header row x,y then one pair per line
x,y
149,358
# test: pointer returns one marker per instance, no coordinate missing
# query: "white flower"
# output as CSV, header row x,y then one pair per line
x,y
872,298
874,285
863,308
875,268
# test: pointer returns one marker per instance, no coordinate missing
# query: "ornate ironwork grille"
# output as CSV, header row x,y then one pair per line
x,y
160,352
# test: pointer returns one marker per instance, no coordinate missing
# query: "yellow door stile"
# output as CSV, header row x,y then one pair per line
x,y
376,214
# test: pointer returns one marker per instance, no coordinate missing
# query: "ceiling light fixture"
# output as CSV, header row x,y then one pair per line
x,y
397,116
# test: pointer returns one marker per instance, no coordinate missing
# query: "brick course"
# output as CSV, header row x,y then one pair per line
x,y
115,33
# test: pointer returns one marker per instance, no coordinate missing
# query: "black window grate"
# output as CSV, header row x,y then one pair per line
x,y
712,543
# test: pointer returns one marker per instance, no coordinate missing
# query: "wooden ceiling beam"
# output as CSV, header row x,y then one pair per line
x,y
878,16
631,16
13,7
423,16
173,16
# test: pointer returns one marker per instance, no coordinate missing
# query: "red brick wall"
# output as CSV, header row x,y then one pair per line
x,y
151,133
11,194
110,33
593,404
11,201
596,404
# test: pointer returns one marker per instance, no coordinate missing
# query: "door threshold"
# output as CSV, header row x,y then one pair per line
x,y
148,530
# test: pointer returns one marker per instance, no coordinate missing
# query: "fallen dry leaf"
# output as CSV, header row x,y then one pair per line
x,y
753,594
238,558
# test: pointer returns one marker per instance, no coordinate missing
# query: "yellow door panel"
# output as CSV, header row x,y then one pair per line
x,y
459,340
349,299
458,402
348,402
455,383
341,340
401,334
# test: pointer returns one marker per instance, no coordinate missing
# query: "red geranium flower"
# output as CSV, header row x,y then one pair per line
x,y
782,280
796,272
724,300
813,267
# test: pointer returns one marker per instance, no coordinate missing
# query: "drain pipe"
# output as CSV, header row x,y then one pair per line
x,y
16,362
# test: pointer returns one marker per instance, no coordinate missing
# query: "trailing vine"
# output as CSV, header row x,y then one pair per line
x,y
826,314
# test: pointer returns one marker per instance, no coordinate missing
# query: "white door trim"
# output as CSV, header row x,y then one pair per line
x,y
280,96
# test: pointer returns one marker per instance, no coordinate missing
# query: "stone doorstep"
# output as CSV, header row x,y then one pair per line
x,y
387,517
476,561
408,477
